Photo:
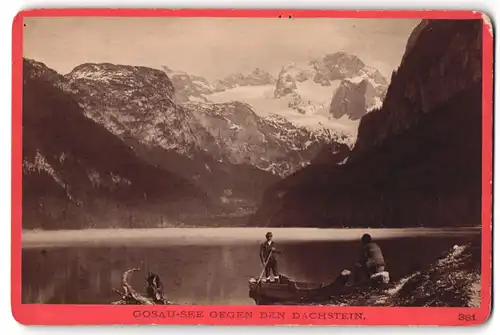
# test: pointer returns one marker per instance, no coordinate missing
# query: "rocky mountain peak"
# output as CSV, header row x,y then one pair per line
x,y
353,87
427,77
350,99
123,78
188,87
286,83
33,69
256,77
336,66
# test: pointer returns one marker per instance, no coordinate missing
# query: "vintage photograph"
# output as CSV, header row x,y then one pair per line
x,y
252,161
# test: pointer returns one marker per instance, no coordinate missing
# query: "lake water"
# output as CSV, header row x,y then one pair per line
x,y
207,266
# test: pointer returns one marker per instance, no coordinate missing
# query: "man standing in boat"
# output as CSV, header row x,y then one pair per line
x,y
268,256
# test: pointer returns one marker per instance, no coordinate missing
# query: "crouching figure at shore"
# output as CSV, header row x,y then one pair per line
x,y
371,266
154,288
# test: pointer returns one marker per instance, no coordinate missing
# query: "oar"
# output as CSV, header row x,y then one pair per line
x,y
264,269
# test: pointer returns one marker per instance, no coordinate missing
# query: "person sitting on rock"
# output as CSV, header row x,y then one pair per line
x,y
371,259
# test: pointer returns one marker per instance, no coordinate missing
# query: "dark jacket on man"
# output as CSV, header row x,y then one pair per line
x,y
265,250
372,253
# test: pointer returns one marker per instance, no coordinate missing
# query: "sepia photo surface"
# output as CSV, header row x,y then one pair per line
x,y
252,161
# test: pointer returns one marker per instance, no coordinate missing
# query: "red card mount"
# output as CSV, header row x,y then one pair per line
x,y
79,159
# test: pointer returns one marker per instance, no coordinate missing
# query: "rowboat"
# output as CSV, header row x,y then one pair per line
x,y
284,290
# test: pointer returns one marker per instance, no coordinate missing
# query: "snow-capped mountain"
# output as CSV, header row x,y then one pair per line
x,y
137,103
328,93
296,87
341,65
317,95
189,87
340,73
226,149
194,88
257,77
229,144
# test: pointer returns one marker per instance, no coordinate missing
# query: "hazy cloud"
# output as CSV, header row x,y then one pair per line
x,y
212,47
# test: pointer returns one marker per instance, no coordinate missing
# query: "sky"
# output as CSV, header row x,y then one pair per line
x,y
212,47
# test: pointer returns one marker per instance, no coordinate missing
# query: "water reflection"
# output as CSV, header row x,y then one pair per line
x,y
203,274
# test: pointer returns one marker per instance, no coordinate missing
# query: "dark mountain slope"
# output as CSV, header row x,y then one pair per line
x,y
135,104
76,174
417,160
